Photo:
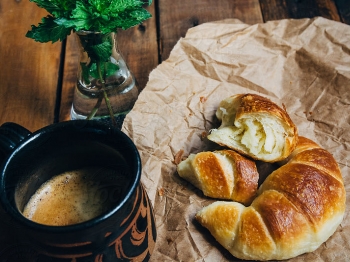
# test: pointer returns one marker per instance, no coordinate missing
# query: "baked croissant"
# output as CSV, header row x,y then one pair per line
x,y
222,174
256,127
298,207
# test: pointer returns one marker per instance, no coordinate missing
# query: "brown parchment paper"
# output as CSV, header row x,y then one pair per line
x,y
304,64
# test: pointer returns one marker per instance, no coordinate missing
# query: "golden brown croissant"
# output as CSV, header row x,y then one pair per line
x,y
298,207
222,174
256,127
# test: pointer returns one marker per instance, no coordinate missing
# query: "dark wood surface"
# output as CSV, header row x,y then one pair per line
x,y
37,80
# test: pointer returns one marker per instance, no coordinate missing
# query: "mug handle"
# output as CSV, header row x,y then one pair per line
x,y
11,135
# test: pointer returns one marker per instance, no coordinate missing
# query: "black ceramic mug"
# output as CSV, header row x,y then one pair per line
x,y
124,231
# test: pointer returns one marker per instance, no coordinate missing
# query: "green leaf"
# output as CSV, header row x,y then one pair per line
x,y
110,69
48,30
107,69
58,8
98,46
100,52
129,18
118,6
94,71
82,18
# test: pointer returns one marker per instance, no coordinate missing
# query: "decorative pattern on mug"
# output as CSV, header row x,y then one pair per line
x,y
140,232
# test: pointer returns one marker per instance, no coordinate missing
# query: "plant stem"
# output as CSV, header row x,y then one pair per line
x,y
99,101
95,109
110,110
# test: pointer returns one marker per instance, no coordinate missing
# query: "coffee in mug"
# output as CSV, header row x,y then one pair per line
x,y
75,196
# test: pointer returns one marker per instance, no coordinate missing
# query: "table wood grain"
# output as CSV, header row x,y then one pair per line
x,y
29,70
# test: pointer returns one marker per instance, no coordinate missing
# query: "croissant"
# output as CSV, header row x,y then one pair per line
x,y
298,207
256,127
222,174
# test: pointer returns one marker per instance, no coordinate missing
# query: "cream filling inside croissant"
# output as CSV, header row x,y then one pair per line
x,y
259,135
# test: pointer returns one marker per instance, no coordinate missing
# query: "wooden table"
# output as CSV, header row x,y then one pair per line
x,y
37,80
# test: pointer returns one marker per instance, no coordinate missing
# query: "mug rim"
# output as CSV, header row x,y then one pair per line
x,y
15,213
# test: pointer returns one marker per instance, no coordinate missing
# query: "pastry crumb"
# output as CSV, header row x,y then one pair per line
x,y
178,157
203,99
204,135
161,191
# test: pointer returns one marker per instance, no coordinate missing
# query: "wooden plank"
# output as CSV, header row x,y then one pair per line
x,y
274,10
283,9
344,10
138,46
29,69
177,17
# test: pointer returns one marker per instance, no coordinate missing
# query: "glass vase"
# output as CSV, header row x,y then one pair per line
x,y
105,87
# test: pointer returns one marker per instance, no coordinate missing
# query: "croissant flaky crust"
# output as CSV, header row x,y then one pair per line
x,y
298,207
222,174
256,127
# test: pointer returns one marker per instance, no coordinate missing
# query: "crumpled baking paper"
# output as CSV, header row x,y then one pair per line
x,y
303,64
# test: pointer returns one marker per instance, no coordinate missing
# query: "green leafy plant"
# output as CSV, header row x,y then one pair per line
x,y
90,15
103,16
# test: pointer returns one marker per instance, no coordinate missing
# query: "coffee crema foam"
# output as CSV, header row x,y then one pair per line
x,y
69,198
